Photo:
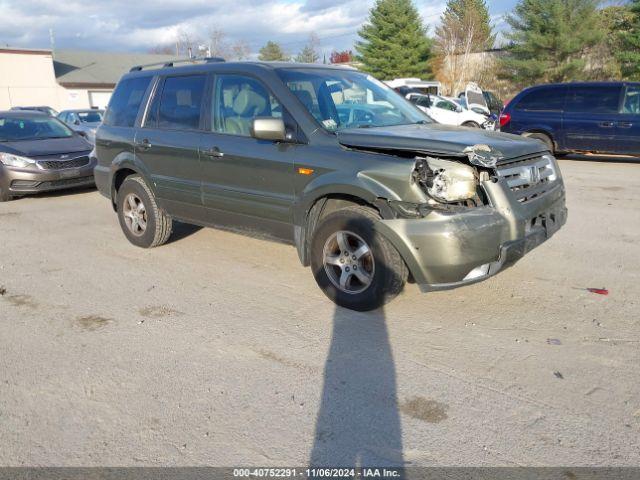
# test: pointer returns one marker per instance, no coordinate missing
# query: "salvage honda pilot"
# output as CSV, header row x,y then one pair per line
x,y
370,191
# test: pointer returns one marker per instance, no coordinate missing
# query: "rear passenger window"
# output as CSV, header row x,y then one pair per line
x,y
125,102
181,102
544,99
593,100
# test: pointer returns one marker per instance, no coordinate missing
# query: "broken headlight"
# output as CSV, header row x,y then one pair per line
x,y
445,180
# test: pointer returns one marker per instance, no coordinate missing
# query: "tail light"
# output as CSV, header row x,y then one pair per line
x,y
504,119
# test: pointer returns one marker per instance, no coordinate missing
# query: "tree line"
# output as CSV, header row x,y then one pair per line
x,y
547,41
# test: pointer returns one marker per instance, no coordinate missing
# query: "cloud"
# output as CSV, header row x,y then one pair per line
x,y
119,25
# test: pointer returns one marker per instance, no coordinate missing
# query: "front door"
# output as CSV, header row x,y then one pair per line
x,y
628,126
248,178
168,143
590,117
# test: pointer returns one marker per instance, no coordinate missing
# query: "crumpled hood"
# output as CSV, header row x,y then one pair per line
x,y
42,148
439,140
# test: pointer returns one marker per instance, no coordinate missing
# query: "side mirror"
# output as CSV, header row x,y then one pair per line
x,y
82,133
268,128
76,122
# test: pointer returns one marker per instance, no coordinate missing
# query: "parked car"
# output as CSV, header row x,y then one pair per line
x,y
369,203
494,104
85,122
42,109
425,87
601,117
449,112
39,153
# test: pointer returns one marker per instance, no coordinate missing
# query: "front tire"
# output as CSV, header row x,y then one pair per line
x,y
142,221
470,125
355,266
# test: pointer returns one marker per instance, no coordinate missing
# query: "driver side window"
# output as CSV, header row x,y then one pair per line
x,y
237,101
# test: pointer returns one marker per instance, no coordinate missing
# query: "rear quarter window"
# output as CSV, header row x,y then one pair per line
x,y
542,100
125,102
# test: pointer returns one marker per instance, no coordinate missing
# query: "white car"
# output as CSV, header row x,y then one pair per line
x,y
449,112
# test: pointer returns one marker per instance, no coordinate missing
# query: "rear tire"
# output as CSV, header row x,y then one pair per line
x,y
355,266
4,196
142,221
544,138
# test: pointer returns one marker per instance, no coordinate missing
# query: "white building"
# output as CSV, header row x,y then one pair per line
x,y
64,79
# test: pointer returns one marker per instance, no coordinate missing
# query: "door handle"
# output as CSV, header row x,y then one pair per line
x,y
607,124
144,145
214,153
625,124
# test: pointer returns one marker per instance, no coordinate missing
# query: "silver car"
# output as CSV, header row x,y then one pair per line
x,y
85,122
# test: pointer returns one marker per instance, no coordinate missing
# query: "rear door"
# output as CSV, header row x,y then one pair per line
x,y
168,142
590,117
628,126
241,174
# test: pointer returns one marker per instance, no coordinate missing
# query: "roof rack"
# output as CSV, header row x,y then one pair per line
x,y
171,63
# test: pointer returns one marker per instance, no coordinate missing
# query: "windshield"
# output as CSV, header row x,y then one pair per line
x,y
38,127
349,99
90,117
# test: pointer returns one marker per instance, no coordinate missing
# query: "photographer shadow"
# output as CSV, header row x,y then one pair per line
x,y
358,424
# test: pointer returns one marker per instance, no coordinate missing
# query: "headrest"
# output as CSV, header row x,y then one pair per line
x,y
248,103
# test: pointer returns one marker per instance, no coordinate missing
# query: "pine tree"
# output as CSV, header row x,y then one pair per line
x,y
272,52
629,56
308,55
550,40
394,41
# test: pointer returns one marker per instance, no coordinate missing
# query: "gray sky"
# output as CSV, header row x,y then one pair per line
x,y
124,25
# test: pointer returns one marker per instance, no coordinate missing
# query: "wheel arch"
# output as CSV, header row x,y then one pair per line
x,y
324,204
542,131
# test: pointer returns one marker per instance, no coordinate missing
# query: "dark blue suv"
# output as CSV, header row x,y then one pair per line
x,y
599,117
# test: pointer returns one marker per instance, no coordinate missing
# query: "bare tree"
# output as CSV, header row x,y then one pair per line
x,y
163,50
464,32
218,45
240,50
187,45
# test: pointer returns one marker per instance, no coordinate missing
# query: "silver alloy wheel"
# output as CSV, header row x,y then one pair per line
x,y
135,214
348,262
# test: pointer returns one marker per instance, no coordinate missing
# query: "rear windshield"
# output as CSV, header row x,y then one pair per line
x,y
90,117
14,129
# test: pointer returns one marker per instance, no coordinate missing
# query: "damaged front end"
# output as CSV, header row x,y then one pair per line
x,y
482,212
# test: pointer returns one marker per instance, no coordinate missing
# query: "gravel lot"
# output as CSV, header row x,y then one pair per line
x,y
219,349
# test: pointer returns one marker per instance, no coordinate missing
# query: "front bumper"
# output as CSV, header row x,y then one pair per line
x,y
447,250
25,181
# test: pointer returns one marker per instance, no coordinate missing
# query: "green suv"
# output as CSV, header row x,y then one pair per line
x,y
368,188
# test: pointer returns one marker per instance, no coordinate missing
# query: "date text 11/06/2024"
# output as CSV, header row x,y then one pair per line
x,y
316,473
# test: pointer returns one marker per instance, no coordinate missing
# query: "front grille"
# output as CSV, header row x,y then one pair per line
x,y
62,164
530,178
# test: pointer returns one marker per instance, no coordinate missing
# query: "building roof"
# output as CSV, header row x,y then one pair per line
x,y
25,51
78,68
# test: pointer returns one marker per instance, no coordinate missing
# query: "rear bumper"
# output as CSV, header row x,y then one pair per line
x,y
448,250
28,181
